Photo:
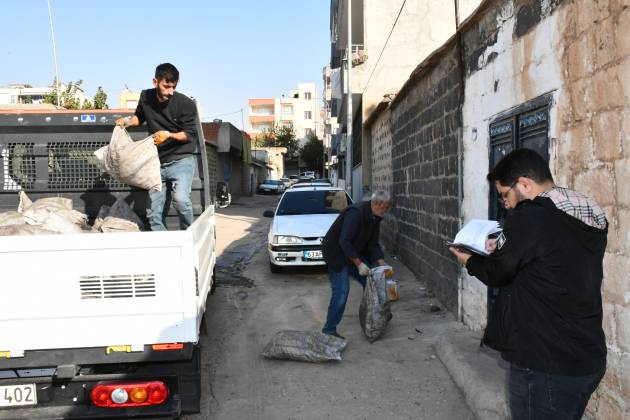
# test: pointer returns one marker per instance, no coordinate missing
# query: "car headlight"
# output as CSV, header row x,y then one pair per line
x,y
286,240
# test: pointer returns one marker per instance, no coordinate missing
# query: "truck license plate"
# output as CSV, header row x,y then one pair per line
x,y
313,255
13,395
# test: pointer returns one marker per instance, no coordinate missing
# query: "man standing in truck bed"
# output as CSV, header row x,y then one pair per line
x,y
171,118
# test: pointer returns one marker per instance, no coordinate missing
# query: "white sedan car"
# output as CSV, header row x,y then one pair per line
x,y
301,220
271,186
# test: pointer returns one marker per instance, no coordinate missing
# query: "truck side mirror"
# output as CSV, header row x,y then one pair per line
x,y
268,213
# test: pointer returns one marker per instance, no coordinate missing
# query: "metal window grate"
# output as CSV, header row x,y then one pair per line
x,y
73,166
117,286
18,163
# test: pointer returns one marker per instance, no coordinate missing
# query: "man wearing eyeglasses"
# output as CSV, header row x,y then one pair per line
x,y
547,262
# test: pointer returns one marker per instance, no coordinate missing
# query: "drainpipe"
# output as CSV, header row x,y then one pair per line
x,y
349,108
460,153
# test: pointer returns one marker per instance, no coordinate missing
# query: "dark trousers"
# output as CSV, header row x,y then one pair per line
x,y
340,285
542,396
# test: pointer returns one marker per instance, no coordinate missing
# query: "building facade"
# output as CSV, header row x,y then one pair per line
x,y
25,94
299,109
550,75
388,41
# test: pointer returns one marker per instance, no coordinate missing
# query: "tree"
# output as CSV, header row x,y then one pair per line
x,y
279,137
100,99
68,96
312,153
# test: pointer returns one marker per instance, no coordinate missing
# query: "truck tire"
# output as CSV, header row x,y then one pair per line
x,y
213,288
274,268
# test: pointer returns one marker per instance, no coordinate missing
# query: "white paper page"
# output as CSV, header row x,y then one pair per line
x,y
475,233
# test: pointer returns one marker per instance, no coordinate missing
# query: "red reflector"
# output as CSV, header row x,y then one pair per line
x,y
156,391
168,346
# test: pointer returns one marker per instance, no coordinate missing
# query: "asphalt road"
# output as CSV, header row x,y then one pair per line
x,y
397,377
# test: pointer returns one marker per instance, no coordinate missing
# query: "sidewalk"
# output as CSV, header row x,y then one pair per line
x,y
479,372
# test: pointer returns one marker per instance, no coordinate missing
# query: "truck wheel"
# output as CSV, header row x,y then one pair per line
x,y
213,288
274,268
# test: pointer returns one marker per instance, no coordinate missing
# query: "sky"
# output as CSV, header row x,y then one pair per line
x,y
226,51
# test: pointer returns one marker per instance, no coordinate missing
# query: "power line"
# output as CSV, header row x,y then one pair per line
x,y
384,46
227,113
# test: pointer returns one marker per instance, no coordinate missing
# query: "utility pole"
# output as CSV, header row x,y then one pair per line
x,y
52,34
349,108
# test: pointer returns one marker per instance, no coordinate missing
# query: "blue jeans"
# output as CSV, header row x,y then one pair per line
x,y
340,284
180,174
542,396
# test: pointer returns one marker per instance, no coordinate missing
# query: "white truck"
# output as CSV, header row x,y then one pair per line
x,y
96,325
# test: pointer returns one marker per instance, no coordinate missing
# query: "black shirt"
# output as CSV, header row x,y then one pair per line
x,y
354,234
179,113
549,269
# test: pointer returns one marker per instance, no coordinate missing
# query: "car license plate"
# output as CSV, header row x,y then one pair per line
x,y
13,395
313,255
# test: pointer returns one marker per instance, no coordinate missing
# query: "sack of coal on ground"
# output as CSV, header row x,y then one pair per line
x,y
304,346
374,310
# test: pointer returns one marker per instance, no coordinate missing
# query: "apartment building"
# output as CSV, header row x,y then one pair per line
x,y
17,95
298,109
389,38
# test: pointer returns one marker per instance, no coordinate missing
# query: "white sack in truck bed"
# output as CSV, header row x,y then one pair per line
x,y
135,163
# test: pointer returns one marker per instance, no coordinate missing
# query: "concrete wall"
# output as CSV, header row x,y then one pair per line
x,y
579,53
213,176
425,122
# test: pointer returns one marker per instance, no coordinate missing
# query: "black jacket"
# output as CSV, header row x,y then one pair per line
x,y
548,316
354,234
179,113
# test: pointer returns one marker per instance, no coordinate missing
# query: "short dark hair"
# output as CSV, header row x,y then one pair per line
x,y
167,72
521,162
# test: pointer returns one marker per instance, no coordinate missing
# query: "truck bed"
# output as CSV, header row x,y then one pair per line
x,y
105,290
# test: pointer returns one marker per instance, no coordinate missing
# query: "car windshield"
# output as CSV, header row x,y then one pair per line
x,y
312,202
271,182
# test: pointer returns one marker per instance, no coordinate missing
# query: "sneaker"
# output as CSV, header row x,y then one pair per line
x,y
336,334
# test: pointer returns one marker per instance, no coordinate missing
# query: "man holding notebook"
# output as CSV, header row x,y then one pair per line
x,y
547,262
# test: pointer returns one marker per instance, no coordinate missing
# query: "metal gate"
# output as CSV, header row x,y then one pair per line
x,y
526,126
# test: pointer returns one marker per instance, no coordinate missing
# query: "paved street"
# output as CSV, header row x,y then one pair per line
x,y
397,377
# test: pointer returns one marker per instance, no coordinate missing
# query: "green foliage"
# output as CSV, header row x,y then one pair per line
x,y
279,137
68,97
100,99
312,153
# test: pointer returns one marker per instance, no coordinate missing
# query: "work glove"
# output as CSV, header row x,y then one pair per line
x,y
364,270
123,122
160,137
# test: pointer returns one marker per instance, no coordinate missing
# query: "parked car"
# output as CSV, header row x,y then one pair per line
x,y
286,181
293,178
314,183
308,174
300,221
271,186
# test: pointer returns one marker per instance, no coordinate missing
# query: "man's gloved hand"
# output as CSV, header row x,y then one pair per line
x,y
160,137
364,270
123,122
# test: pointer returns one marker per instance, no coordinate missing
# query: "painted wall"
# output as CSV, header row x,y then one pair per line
x,y
579,52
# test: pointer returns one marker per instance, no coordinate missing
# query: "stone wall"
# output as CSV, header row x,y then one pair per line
x,y
593,156
380,136
425,121
579,53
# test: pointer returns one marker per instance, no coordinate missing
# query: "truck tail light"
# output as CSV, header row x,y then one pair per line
x,y
129,394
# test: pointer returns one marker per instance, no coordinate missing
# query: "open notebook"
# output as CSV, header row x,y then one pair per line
x,y
474,234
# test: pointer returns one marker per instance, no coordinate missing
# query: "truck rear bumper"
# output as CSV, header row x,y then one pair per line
x,y
171,409
70,398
